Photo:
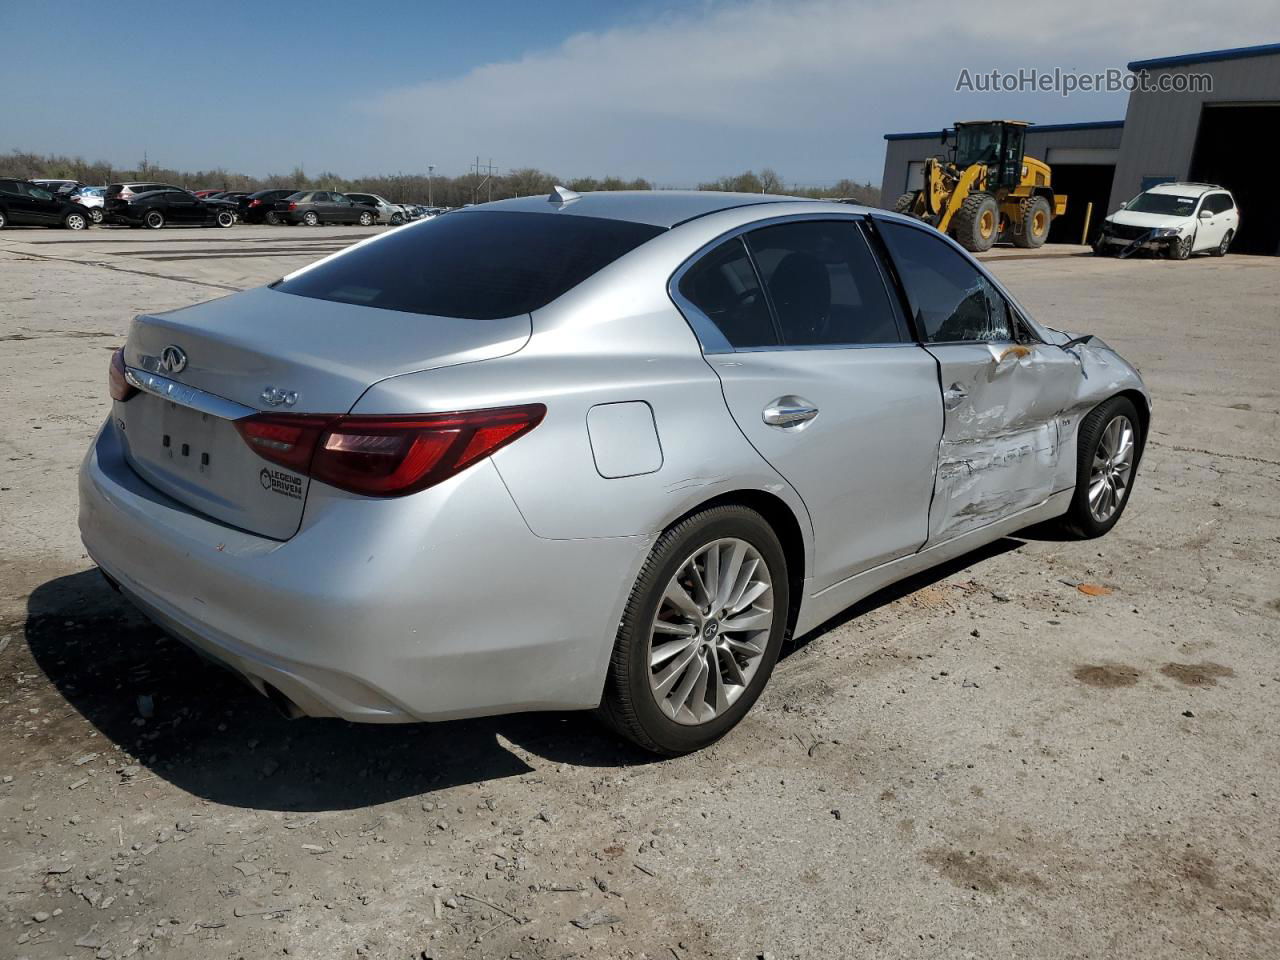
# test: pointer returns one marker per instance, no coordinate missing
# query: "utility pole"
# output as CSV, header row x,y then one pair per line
x,y
477,168
431,167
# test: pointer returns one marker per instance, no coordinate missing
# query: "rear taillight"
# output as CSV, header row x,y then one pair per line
x,y
385,456
117,383
255,203
293,206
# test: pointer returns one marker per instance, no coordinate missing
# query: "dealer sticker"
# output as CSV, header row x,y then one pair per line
x,y
283,483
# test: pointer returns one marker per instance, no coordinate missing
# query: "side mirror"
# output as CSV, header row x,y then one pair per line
x,y
1206,214
1123,204
943,139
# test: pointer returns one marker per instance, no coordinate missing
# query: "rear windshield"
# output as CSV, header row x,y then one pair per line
x,y
481,265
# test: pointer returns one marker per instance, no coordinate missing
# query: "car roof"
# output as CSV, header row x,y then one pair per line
x,y
659,208
1185,189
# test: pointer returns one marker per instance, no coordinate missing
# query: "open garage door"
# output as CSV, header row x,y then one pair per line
x,y
1085,177
1233,146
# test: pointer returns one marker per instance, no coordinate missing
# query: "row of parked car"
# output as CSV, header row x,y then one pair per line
x,y
76,206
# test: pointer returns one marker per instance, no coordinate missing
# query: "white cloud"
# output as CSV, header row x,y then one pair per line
x,y
808,86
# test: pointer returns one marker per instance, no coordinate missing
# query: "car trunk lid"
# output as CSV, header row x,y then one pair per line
x,y
204,367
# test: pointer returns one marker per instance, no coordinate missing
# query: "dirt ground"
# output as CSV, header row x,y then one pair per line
x,y
994,760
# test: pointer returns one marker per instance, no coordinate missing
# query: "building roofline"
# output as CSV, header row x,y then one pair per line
x,y
1207,56
1033,128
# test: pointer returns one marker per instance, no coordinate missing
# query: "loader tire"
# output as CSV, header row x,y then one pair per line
x,y
977,223
904,203
1034,217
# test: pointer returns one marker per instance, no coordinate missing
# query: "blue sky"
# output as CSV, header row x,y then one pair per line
x,y
673,91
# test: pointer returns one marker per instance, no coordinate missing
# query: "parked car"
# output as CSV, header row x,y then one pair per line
x,y
22,202
1176,219
205,194
259,207
56,187
313,207
388,212
604,450
91,198
169,205
127,191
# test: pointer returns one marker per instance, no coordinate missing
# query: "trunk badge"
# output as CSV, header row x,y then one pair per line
x,y
274,396
172,360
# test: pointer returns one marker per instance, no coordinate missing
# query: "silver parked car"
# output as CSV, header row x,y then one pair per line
x,y
576,452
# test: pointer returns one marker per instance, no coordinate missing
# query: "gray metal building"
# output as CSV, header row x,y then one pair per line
x,y
1216,136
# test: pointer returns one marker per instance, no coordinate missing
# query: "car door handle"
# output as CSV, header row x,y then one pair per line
x,y
953,396
789,411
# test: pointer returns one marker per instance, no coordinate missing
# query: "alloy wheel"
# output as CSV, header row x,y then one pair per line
x,y
1112,469
710,631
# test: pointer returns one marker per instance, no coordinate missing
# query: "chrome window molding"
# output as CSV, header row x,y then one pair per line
x,y
186,396
715,342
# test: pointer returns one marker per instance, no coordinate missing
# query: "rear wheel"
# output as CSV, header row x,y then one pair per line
x,y
1221,249
366,219
310,218
95,214
700,633
4,221
1107,451
1035,215
977,222
153,220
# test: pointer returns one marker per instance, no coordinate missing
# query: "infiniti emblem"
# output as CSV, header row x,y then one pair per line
x,y
172,360
710,630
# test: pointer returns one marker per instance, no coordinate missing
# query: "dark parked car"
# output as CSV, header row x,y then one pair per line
x,y
156,208
22,202
314,207
260,207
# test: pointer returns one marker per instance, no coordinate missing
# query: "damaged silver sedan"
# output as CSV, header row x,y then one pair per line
x,y
600,451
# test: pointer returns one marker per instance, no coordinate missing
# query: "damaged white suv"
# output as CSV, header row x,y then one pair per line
x,y
1176,219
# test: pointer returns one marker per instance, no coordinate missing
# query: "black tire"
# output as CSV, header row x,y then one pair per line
x,y
904,203
76,220
95,214
225,218
397,219
1180,249
1079,521
629,705
1034,217
1101,249
271,218
311,218
153,220
1221,249
977,223
4,221
366,219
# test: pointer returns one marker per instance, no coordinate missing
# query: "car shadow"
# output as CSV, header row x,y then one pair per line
x,y
206,731
211,734
896,591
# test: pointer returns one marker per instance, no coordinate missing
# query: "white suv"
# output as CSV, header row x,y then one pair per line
x,y
1178,219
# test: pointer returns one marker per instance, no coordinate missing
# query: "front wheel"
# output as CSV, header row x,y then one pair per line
x,y
271,218
366,219
397,219
310,218
225,218
76,221
1180,249
154,220
700,633
4,222
1107,451
977,223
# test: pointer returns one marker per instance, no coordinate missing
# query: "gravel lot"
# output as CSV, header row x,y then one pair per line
x,y
986,761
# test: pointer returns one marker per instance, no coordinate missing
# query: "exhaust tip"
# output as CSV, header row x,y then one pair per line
x,y
288,709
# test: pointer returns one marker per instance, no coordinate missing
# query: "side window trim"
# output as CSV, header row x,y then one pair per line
x,y
713,341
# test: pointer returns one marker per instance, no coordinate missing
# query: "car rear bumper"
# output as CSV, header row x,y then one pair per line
x,y
429,607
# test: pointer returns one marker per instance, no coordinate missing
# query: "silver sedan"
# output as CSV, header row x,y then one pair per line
x,y
602,451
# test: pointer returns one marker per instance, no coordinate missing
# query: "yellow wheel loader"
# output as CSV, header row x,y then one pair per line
x,y
989,190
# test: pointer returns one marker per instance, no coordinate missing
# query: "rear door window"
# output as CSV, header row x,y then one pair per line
x,y
479,265
723,286
824,284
